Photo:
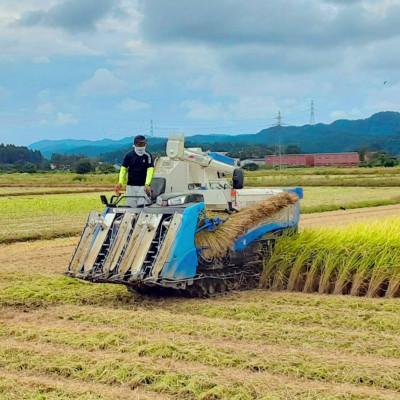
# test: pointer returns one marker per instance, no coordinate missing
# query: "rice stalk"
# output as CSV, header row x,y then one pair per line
x,y
394,286
362,276
362,259
299,266
347,264
328,274
217,243
311,282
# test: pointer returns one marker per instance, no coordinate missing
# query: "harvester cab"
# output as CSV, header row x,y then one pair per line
x,y
200,232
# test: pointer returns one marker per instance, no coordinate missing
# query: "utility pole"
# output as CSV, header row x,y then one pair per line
x,y
312,113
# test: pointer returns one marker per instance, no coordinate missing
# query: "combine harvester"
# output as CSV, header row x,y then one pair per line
x,y
201,234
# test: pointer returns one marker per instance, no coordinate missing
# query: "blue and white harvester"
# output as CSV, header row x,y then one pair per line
x,y
155,246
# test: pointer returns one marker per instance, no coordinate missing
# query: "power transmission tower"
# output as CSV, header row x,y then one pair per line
x,y
312,113
151,128
279,126
279,119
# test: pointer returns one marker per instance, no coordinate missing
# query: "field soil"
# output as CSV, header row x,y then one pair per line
x,y
65,339
60,338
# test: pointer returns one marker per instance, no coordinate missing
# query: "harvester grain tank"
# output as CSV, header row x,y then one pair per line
x,y
200,234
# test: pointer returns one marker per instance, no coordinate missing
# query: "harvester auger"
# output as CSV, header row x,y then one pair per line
x,y
200,235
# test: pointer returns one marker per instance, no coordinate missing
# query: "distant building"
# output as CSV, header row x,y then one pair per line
x,y
315,160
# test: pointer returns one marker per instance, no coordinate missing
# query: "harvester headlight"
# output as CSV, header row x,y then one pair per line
x,y
177,201
161,202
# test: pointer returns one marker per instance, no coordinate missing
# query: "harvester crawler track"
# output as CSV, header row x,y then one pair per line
x,y
236,271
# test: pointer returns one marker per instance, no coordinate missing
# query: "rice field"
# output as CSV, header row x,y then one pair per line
x,y
39,216
360,260
350,177
65,339
345,177
56,179
38,190
331,171
320,199
284,179
45,216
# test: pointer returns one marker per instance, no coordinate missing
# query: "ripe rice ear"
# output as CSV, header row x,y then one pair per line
x,y
394,286
217,243
361,260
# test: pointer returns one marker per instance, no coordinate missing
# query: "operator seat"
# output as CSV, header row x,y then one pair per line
x,y
157,187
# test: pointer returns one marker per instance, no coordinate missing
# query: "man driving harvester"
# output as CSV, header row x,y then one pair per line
x,y
137,173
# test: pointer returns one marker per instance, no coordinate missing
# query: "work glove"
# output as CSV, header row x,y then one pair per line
x,y
118,189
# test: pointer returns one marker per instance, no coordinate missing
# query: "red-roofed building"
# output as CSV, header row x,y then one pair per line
x,y
315,160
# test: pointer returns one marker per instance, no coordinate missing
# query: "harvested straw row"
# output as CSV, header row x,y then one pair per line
x,y
360,260
216,244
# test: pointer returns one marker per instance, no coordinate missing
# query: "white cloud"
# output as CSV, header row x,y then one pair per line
x,y
311,23
31,29
246,108
45,115
41,60
253,107
204,111
132,105
43,96
35,43
234,62
103,82
349,114
66,119
71,15
45,108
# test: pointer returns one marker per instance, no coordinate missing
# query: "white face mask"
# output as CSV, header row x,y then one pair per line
x,y
140,150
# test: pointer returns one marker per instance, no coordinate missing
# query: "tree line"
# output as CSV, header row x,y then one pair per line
x,y
22,159
11,154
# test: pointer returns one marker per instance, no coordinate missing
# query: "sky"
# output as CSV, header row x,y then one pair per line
x,y
90,69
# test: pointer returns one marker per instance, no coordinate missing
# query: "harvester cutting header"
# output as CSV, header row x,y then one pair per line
x,y
199,231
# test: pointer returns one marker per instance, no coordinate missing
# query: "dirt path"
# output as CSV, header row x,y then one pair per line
x,y
344,217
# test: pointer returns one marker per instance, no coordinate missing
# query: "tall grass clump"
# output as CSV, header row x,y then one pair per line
x,y
360,260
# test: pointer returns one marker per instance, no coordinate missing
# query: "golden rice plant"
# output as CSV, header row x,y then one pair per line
x,y
218,242
359,260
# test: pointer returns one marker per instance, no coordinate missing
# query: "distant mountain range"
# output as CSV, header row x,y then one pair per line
x,y
91,148
380,131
